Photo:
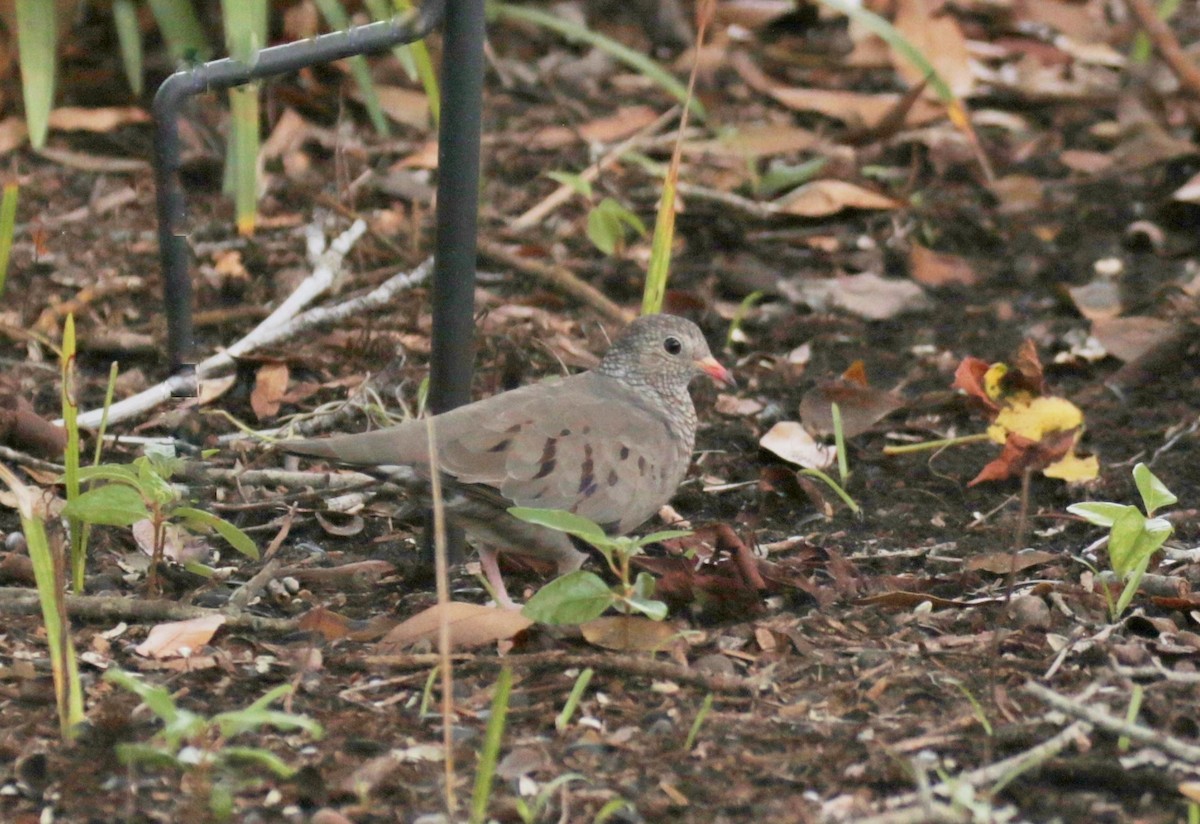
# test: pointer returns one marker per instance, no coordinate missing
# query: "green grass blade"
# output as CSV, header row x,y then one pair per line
x,y
489,755
70,413
413,56
181,30
245,34
129,36
335,15
956,110
573,32
694,732
47,574
37,37
572,704
8,225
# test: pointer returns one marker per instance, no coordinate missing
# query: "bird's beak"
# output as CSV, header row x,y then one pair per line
x,y
716,371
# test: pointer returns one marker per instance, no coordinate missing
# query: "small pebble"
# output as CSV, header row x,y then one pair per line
x,y
1029,612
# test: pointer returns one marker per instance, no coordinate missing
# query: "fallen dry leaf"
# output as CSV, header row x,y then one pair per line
x,y
106,119
1001,563
861,407
931,268
629,633
859,111
792,442
270,385
867,295
820,198
13,133
471,625
180,638
940,39
1129,338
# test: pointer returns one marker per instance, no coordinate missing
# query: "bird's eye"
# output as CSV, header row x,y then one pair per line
x,y
673,345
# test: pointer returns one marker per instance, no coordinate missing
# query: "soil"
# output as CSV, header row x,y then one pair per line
x,y
883,653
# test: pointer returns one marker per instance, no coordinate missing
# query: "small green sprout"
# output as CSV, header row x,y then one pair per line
x,y
1133,538
580,596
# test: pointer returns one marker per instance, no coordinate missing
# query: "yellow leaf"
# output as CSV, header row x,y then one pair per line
x,y
1034,419
1073,468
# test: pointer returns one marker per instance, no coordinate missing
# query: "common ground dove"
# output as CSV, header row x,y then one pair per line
x,y
611,445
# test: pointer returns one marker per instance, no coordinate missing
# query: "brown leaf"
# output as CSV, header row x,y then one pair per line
x,y
792,442
24,429
859,111
13,132
821,198
270,385
629,633
932,268
1000,563
939,38
861,406
1020,454
78,118
1129,338
180,638
471,625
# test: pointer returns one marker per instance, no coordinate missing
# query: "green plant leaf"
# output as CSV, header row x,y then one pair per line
x,y
568,522
37,36
1123,541
604,231
109,505
335,14
238,756
654,610
8,223
1100,513
181,30
117,473
573,31
663,535
1154,492
578,183
572,599
147,755
157,699
129,37
239,540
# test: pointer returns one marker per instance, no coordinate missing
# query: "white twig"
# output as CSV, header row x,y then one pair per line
x,y
327,266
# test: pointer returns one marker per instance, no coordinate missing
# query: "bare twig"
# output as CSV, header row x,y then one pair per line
x,y
326,271
558,277
1158,739
21,601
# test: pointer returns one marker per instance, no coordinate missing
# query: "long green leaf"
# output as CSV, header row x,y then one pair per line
x,y
563,521
414,57
37,38
68,691
181,30
8,223
129,37
335,15
574,598
489,754
108,505
239,540
572,31
245,33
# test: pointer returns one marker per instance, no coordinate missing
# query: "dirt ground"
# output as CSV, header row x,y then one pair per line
x,y
897,666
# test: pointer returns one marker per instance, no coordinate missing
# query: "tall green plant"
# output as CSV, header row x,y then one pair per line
x,y
48,573
37,36
245,34
335,15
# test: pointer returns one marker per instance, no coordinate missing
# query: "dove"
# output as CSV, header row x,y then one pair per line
x,y
611,444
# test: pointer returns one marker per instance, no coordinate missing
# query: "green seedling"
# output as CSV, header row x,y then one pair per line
x,y
572,704
694,732
839,440
609,224
48,566
489,753
1133,538
580,596
143,491
534,810
198,746
8,225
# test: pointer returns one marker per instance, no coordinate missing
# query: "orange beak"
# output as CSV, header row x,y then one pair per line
x,y
716,371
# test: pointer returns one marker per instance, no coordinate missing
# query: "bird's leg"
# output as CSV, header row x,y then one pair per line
x,y
491,569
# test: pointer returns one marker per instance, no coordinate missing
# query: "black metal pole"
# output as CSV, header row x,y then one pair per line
x,y
224,74
452,356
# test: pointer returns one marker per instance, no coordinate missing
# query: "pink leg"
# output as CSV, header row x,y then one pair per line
x,y
491,569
